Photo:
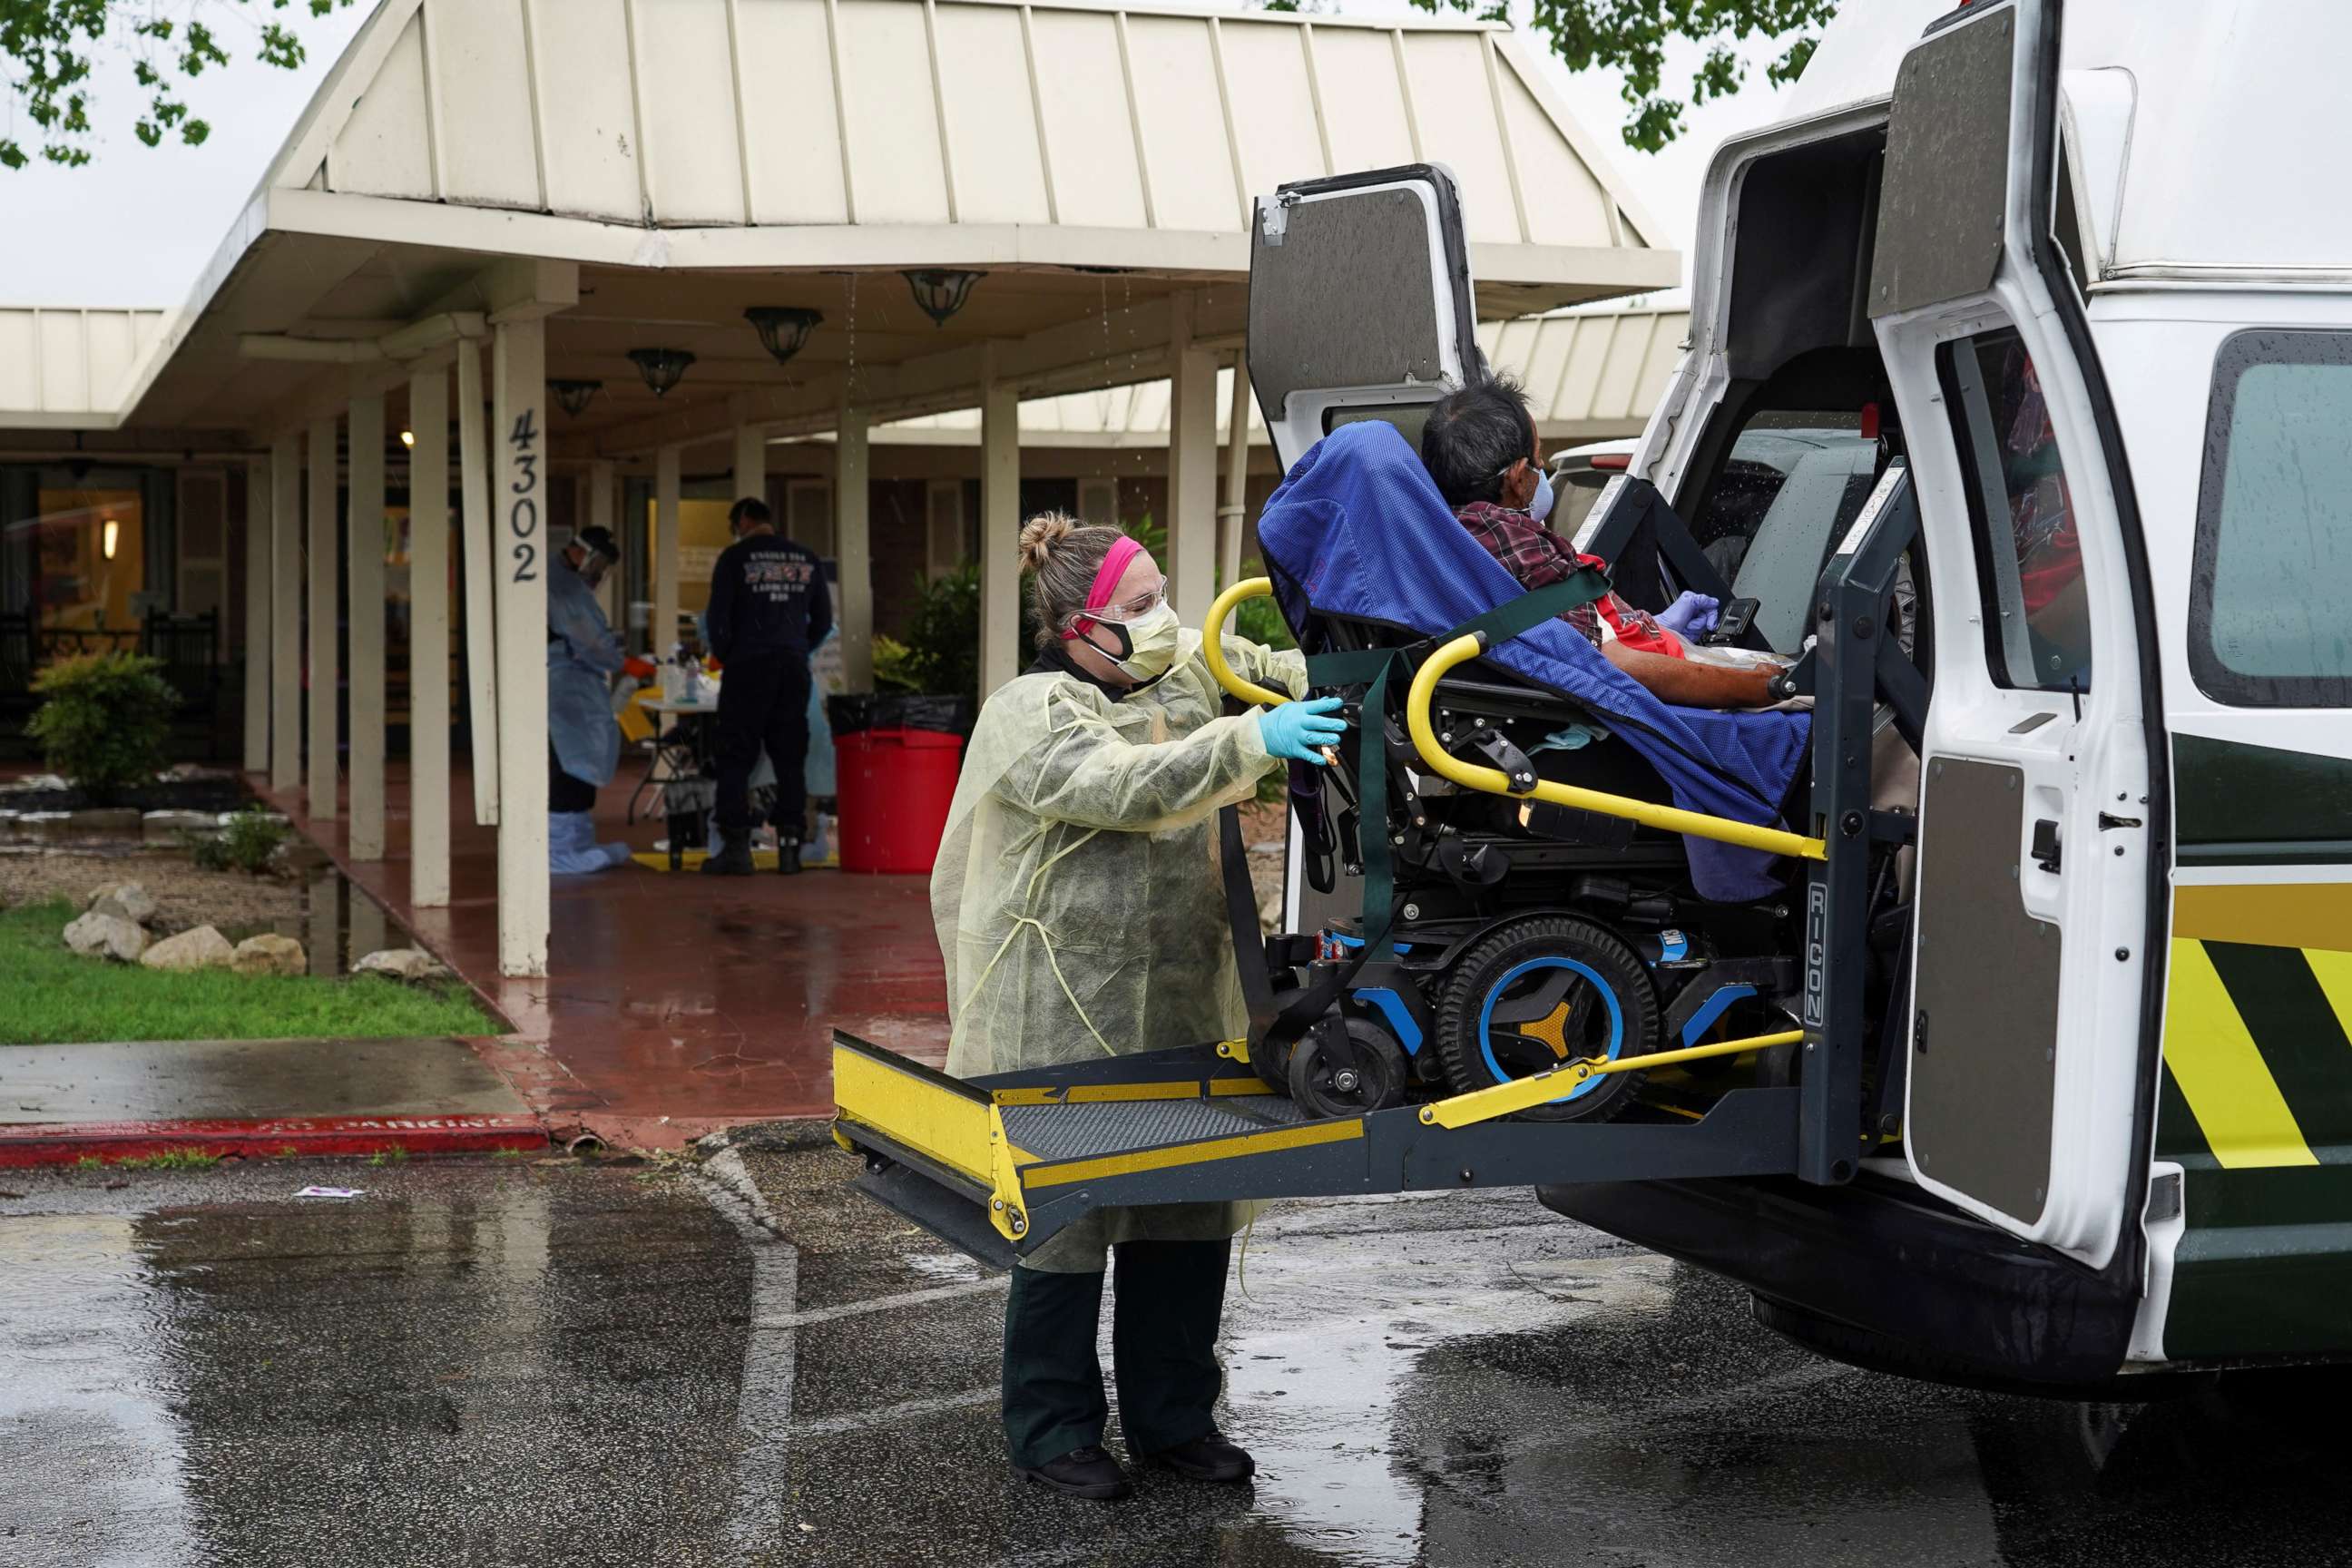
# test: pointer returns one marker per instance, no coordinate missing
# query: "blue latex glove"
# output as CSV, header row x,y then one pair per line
x,y
1691,616
1298,732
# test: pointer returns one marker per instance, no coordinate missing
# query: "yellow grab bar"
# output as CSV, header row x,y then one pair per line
x,y
1524,1093
1491,781
1212,642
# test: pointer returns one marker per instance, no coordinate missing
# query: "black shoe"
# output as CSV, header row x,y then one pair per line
x,y
733,859
788,857
1087,1472
1208,1457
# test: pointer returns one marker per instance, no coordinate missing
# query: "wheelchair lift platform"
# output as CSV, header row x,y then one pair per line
x,y
996,1166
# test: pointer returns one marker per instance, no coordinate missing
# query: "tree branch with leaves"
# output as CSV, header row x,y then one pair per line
x,y
48,49
1631,35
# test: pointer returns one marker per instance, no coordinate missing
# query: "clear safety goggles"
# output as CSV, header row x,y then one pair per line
x,y
1133,608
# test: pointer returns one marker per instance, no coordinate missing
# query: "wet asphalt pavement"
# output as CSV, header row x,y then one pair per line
x,y
510,1363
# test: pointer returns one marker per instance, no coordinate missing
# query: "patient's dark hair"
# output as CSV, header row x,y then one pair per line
x,y
1471,436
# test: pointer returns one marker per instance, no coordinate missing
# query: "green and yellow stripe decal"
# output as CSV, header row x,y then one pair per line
x,y
2256,1095
2258,1027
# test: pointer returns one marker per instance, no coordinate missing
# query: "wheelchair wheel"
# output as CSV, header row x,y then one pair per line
x,y
1540,992
1346,1067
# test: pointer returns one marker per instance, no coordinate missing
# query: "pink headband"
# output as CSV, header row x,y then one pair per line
x,y
1114,567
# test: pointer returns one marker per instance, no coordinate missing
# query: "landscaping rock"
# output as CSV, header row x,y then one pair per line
x,y
269,953
401,964
169,826
203,947
39,784
131,901
101,935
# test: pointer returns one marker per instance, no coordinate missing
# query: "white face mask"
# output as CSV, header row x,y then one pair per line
x,y
1151,641
1540,506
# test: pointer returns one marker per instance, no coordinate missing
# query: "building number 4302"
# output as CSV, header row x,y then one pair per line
x,y
522,513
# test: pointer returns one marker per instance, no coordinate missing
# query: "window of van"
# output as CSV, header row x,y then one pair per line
x,y
2028,557
2269,604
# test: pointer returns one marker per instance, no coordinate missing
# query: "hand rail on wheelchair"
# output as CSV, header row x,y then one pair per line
x,y
1212,642
1492,781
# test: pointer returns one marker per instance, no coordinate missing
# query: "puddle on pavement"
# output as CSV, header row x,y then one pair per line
x,y
339,923
493,1364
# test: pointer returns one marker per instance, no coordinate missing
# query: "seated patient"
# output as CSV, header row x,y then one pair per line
x,y
1482,448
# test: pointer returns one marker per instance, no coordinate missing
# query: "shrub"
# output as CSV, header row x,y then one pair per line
x,y
245,843
1260,620
943,638
104,720
894,666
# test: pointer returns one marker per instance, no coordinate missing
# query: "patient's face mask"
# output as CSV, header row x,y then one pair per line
x,y
1540,506
1145,647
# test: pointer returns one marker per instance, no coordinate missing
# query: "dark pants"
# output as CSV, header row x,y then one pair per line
x,y
763,703
1170,1297
564,793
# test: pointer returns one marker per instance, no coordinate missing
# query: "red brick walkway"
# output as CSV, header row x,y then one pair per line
x,y
674,1004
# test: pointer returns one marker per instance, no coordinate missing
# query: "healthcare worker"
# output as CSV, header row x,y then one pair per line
x,y
584,741
1081,913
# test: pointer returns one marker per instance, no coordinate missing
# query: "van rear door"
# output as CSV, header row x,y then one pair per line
x,y
1360,303
2042,816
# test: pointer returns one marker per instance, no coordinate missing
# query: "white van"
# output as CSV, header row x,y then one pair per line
x,y
2073,279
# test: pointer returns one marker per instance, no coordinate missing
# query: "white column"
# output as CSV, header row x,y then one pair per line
x,y
363,571
1233,517
474,479
665,569
257,613
1192,563
284,612
603,511
750,463
428,641
853,548
1000,535
320,785
518,424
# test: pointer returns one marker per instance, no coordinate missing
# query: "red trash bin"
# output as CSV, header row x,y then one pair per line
x,y
893,788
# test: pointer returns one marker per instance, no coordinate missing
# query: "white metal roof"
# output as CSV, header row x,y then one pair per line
x,y
1095,119
689,158
1588,373
65,367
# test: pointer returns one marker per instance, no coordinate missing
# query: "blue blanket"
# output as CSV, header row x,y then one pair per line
x,y
1359,528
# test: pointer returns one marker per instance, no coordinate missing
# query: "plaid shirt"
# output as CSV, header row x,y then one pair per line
x,y
1537,558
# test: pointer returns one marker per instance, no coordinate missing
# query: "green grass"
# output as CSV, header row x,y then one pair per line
x,y
395,1156
56,997
170,1159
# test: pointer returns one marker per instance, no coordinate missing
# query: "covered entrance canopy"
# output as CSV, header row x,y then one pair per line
x,y
575,183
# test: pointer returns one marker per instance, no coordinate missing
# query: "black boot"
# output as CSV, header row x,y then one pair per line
x,y
1087,1472
788,857
1208,1459
733,859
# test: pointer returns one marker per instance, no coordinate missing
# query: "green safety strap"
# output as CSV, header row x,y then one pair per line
x,y
1373,667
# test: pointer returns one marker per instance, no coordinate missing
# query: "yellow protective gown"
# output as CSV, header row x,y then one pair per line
x,y
1077,893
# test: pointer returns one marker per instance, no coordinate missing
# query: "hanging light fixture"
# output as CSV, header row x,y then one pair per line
x,y
112,534
408,438
941,293
661,367
574,396
784,328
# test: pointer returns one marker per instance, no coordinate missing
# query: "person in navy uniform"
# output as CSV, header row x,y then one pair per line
x,y
768,607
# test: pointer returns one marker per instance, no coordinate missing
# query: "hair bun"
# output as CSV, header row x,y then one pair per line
x,y
1043,534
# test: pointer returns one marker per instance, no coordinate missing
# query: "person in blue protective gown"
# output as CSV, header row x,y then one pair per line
x,y
584,741
1081,914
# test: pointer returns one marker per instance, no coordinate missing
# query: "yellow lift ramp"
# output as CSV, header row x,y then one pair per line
x,y
997,1165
